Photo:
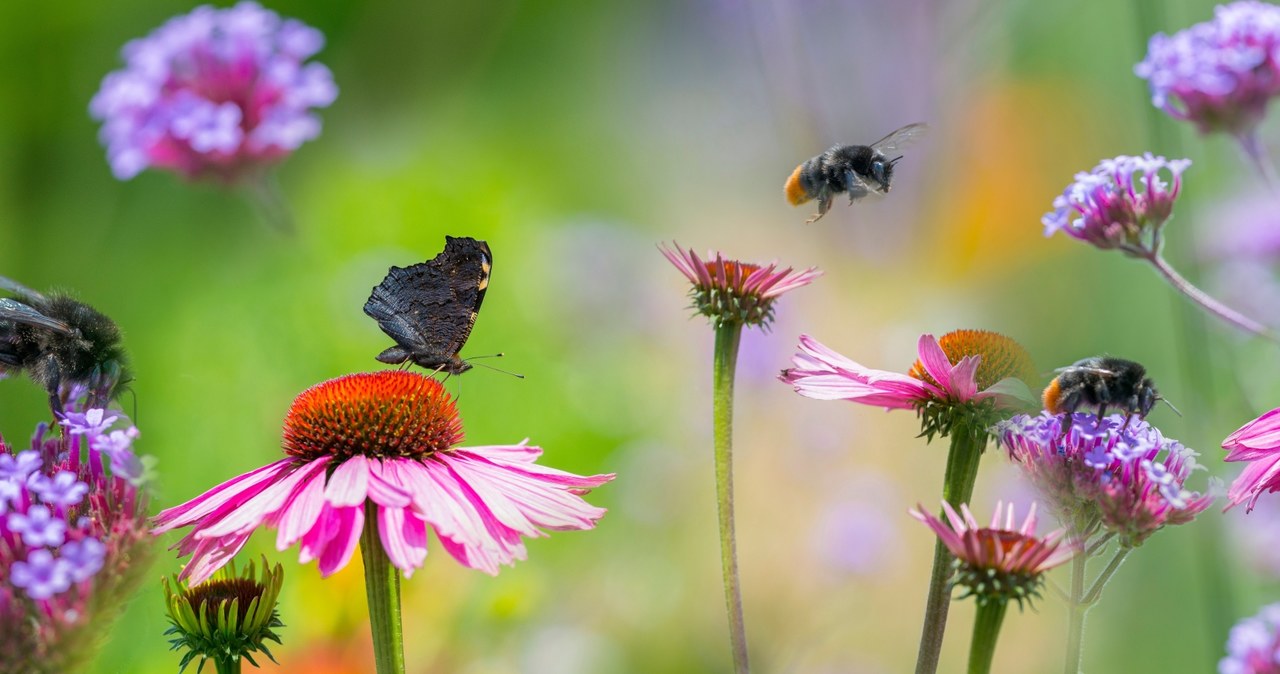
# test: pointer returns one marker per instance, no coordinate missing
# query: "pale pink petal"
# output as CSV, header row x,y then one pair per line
x,y
1261,433
961,382
349,484
299,515
384,488
404,538
209,555
250,514
333,539
1259,474
234,491
522,503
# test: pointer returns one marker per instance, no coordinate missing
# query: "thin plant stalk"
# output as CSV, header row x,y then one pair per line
x,y
728,336
957,488
1205,301
1081,601
986,630
1257,155
382,587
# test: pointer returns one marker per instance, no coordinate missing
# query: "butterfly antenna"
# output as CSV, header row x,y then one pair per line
x,y
495,369
1175,410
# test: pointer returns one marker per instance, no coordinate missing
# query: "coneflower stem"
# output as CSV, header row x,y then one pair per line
x,y
1206,302
1075,619
986,629
728,335
228,665
382,587
957,488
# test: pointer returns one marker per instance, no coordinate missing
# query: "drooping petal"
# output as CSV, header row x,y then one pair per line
x,y
404,538
232,492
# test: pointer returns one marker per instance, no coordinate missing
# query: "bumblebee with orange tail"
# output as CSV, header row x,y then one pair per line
x,y
858,170
1102,382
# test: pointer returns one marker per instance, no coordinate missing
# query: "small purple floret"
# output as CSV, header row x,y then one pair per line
x,y
38,527
19,468
41,575
83,558
63,489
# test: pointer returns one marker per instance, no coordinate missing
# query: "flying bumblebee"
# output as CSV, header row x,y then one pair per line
x,y
858,170
59,341
1102,382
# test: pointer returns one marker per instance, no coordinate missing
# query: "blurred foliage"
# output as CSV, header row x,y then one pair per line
x,y
573,136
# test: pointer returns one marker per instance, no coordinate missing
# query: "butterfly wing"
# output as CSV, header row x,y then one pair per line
x,y
429,308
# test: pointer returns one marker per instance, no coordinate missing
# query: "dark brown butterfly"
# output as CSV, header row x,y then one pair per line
x,y
430,307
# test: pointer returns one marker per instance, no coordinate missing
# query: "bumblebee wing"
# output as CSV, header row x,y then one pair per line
x,y
24,293
1082,368
900,138
13,311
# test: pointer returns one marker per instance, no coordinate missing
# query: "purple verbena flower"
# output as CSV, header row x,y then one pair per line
x,y
118,447
216,92
1219,74
90,422
1253,646
38,526
40,575
1122,203
83,557
63,489
19,468
1120,473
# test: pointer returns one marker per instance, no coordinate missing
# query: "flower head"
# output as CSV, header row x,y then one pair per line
x,y
1257,442
732,291
1122,203
1219,74
214,93
387,441
1002,561
1253,644
964,372
1118,472
73,542
229,617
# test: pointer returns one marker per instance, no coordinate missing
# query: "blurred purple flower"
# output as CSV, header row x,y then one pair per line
x,y
214,93
83,557
1253,646
1122,203
1239,242
63,489
40,575
1219,74
1117,472
38,527
18,468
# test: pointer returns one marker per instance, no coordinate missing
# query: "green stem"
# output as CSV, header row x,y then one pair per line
x,y
1075,619
728,335
382,586
986,629
957,488
230,665
1101,581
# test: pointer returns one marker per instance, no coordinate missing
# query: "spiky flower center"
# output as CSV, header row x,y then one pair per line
x,y
728,298
211,597
1001,357
988,581
391,413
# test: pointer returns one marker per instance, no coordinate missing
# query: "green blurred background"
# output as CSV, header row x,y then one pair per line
x,y
574,136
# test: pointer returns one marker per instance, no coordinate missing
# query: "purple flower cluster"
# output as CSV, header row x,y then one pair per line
x,y
1122,474
1219,74
1121,203
1253,646
216,92
72,527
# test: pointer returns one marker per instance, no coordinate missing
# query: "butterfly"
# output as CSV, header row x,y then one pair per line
x,y
430,307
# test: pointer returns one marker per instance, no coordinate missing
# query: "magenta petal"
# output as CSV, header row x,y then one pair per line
x,y
349,484
1261,433
209,555
299,515
236,490
934,360
247,517
404,538
384,489
338,550
963,385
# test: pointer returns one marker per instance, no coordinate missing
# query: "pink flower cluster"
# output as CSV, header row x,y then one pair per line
x,y
1121,203
1117,472
216,92
73,538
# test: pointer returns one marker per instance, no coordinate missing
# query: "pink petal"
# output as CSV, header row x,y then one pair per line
x,y
934,360
333,539
209,555
349,484
1261,433
300,513
404,538
384,487
234,491
962,383
246,517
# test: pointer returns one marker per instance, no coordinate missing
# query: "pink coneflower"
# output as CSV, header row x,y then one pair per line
x,y
728,290
1002,561
386,440
964,367
996,564
1257,442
